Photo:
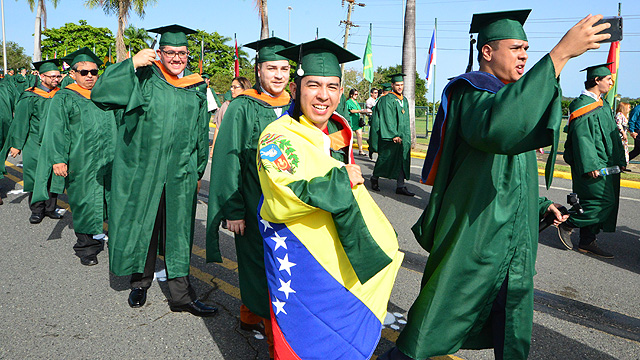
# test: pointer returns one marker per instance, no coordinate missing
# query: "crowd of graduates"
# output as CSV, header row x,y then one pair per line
x,y
132,145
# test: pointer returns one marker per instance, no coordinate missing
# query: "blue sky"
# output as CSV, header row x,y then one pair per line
x,y
547,23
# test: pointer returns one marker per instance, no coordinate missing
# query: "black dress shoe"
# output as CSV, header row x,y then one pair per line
x,y
53,215
196,308
594,249
137,297
1,202
374,184
404,191
89,260
36,218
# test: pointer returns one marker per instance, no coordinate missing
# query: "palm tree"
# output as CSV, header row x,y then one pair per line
x,y
41,21
409,63
122,9
138,38
262,8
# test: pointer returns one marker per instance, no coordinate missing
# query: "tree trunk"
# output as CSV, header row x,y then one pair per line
x,y
37,54
264,31
121,50
409,63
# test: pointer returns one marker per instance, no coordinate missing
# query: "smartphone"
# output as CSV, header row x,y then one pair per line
x,y
615,30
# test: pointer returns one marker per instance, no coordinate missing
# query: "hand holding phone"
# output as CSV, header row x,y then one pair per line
x,y
615,30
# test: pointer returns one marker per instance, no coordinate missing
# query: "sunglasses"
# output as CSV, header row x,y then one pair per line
x,y
93,72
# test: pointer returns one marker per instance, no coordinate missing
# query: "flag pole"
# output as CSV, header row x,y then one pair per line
x,y
433,104
4,43
371,34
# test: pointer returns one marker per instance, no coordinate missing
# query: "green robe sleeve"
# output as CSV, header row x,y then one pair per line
x,y
19,129
543,205
119,88
388,118
202,144
585,154
490,125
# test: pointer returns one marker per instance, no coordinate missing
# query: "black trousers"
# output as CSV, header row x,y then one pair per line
x,y
636,150
43,207
498,320
87,245
180,289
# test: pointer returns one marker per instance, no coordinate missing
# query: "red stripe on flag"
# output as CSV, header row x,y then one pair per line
x,y
237,62
613,57
282,349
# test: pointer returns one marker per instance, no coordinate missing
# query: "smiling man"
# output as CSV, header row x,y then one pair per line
x,y
234,190
331,255
160,155
78,145
481,223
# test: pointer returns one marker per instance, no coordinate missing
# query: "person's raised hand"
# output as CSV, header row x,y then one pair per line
x,y
580,38
144,57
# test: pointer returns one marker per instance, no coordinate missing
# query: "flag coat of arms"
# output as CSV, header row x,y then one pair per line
x,y
331,256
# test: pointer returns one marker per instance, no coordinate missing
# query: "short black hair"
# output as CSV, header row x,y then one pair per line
x,y
374,89
592,82
494,45
351,92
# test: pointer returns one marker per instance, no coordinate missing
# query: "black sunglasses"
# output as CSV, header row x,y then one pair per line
x,y
93,72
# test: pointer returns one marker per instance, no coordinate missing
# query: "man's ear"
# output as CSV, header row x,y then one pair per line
x,y
487,52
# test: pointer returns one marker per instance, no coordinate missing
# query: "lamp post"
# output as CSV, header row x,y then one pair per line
x,y
289,8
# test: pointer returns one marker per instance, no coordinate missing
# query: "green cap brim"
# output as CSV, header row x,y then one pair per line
x,y
386,86
320,57
499,26
173,35
595,71
84,54
47,65
267,49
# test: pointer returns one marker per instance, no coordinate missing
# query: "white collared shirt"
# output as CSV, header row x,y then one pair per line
x,y
590,94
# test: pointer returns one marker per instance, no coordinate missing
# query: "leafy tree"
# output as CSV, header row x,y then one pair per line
x,y
218,59
122,8
421,84
136,39
71,37
41,20
16,56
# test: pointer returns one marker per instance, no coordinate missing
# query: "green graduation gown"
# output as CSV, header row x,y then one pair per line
x,y
80,134
234,190
481,223
593,142
26,133
393,121
374,128
6,118
161,145
342,107
67,80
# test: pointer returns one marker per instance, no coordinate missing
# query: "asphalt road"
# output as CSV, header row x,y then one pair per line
x,y
53,307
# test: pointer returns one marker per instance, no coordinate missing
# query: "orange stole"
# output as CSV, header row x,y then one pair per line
x,y
80,90
44,94
585,110
279,101
183,82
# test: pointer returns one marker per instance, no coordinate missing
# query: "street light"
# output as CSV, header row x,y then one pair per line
x,y
289,8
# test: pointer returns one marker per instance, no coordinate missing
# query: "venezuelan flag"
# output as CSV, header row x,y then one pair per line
x,y
331,256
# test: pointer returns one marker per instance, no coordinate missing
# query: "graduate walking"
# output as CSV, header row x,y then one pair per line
x,y
481,223
160,155
593,144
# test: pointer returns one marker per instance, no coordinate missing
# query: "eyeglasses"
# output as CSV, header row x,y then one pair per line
x,y
233,87
171,54
93,72
53,76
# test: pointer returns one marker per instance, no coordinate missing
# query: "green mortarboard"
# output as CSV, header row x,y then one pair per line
x,y
386,86
81,55
267,49
22,68
399,77
597,71
499,26
173,35
47,65
204,76
320,57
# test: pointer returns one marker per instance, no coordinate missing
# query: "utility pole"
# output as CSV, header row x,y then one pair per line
x,y
4,42
348,24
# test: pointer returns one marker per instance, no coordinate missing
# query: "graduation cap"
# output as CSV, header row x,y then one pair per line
x,y
266,49
597,71
173,35
47,65
320,57
499,26
204,76
84,54
394,78
386,86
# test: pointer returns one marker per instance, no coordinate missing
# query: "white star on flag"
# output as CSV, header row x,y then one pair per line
x,y
266,224
286,288
279,306
285,264
279,241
